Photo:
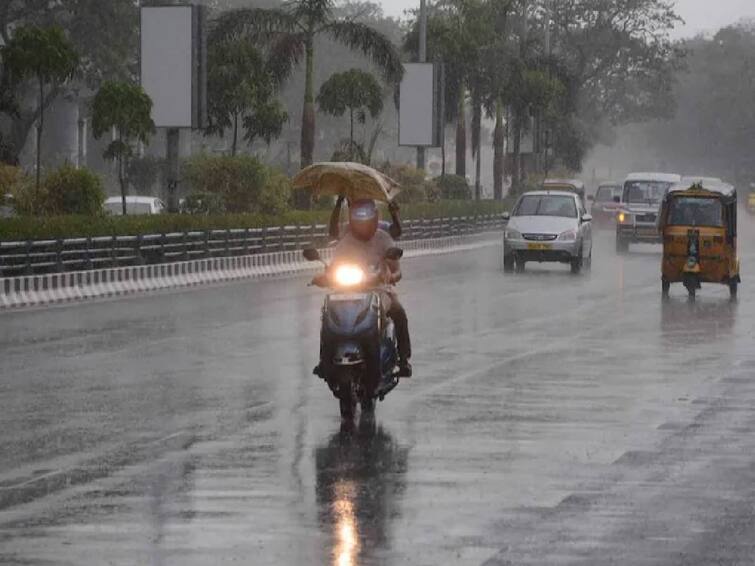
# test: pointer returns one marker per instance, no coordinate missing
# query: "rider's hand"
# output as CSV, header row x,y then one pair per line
x,y
320,280
393,207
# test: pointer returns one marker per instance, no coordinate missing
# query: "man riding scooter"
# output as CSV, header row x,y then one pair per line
x,y
364,242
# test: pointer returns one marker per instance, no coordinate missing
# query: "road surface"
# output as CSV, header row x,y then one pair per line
x,y
552,419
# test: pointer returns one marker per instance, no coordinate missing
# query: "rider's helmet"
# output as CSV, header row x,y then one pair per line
x,y
363,219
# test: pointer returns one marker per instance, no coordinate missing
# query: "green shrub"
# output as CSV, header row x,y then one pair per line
x,y
203,203
71,226
414,186
245,184
275,195
67,190
454,187
73,191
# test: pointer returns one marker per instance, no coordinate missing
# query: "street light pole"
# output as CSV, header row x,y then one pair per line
x,y
422,59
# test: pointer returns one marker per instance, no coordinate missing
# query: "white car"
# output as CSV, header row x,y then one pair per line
x,y
134,205
548,226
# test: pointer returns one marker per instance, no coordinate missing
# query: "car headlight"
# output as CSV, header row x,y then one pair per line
x,y
349,275
568,236
511,234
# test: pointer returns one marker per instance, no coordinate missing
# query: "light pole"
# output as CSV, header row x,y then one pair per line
x,y
422,59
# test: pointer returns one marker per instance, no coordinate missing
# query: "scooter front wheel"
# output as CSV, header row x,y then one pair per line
x,y
347,402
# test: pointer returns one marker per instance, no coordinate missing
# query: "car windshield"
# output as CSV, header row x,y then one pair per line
x,y
547,205
131,208
645,192
607,193
687,211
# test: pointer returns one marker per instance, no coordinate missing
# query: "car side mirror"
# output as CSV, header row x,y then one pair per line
x,y
506,216
617,199
394,254
587,218
311,254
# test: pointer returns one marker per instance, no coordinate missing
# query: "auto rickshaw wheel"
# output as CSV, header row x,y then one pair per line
x,y
665,287
733,287
692,285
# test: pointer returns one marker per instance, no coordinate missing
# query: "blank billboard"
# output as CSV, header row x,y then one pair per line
x,y
168,71
418,105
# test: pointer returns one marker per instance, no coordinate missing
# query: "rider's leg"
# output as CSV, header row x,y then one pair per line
x,y
398,315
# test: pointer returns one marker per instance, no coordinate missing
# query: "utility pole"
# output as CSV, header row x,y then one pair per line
x,y
422,59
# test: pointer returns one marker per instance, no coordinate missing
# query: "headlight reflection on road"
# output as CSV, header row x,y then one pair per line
x,y
347,536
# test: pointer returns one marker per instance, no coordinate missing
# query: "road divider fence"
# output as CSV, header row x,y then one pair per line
x,y
36,257
54,288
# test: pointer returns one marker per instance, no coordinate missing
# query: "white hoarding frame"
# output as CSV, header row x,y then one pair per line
x,y
172,64
419,105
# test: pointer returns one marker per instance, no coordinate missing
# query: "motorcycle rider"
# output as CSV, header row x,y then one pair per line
x,y
363,241
394,229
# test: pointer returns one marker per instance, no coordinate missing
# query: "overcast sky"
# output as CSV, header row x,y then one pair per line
x,y
700,15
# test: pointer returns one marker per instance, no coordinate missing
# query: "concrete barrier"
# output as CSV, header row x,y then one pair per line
x,y
55,288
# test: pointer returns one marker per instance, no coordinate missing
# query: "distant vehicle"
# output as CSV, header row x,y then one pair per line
x,y
570,185
750,204
134,205
690,180
548,226
636,220
605,204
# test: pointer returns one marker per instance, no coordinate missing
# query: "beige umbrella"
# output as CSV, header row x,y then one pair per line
x,y
352,180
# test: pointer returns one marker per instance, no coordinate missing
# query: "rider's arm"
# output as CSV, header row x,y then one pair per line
x,y
395,229
335,220
394,271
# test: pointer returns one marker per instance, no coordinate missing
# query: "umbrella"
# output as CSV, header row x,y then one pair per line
x,y
352,180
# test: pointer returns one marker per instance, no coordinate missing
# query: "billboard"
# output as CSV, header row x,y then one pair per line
x,y
420,105
173,64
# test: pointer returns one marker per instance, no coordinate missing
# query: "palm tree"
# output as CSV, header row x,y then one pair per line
x,y
290,33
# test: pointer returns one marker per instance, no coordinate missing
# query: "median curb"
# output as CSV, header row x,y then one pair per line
x,y
80,286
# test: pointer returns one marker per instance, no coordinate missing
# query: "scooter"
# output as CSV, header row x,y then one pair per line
x,y
358,349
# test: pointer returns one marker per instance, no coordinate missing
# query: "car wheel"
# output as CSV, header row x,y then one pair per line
x,y
576,263
520,264
588,262
509,263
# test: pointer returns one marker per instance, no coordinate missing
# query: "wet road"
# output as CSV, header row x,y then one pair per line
x,y
552,419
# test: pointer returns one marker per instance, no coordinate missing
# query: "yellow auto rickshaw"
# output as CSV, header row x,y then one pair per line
x,y
750,204
698,225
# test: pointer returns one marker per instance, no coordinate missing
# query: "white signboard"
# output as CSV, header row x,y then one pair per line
x,y
168,72
418,105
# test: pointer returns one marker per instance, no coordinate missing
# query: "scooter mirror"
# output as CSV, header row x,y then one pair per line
x,y
394,254
311,254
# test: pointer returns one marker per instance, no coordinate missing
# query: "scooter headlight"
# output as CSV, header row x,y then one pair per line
x,y
348,275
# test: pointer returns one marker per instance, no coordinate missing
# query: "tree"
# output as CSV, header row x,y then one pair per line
x,y
126,108
291,31
620,61
104,33
46,55
240,91
355,91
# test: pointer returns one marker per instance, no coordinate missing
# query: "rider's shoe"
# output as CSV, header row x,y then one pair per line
x,y
404,369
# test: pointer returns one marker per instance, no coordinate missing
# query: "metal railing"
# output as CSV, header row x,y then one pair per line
x,y
33,257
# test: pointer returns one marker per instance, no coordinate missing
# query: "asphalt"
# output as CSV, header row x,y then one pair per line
x,y
552,419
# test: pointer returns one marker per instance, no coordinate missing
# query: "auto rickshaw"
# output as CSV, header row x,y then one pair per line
x,y
750,204
698,225
570,185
